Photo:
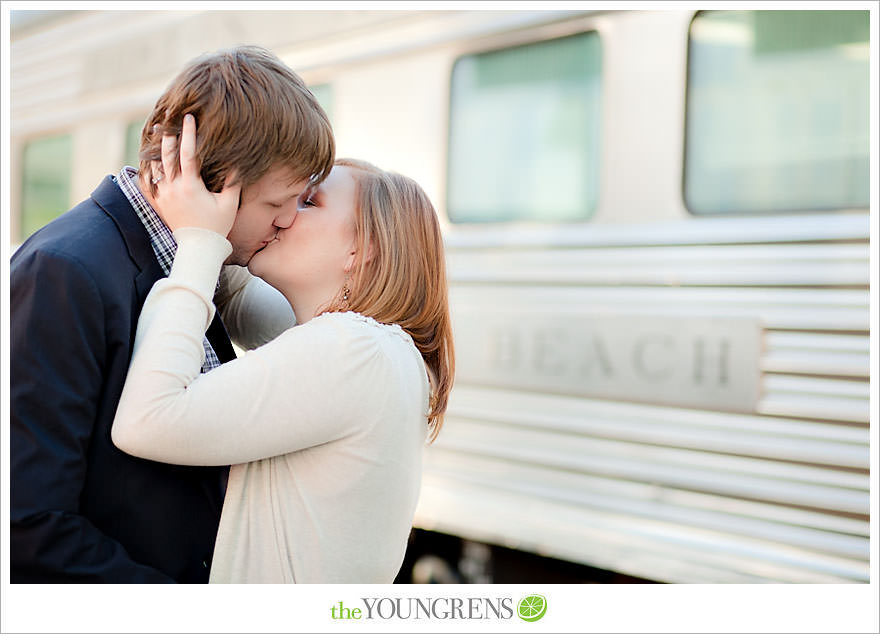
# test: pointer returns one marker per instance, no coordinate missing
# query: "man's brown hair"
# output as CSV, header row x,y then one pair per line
x,y
253,113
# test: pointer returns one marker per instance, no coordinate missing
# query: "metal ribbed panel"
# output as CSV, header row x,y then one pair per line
x,y
820,309
831,399
809,375
692,469
730,508
735,230
783,439
49,82
796,353
779,493
650,502
665,551
719,265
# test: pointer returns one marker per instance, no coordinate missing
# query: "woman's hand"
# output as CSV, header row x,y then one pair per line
x,y
183,200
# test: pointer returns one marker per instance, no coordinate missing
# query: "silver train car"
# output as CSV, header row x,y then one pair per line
x,y
657,234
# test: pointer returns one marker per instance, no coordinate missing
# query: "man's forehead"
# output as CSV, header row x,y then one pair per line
x,y
279,180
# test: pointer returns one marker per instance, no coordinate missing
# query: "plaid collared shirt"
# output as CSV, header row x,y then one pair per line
x,y
161,239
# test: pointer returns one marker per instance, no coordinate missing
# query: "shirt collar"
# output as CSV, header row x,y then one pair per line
x,y
161,239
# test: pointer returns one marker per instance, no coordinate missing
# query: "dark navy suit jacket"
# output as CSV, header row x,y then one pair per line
x,y
81,509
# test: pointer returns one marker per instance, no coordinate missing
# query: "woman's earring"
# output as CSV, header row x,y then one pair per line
x,y
345,291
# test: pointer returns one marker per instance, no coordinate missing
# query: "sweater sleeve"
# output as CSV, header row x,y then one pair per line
x,y
253,312
303,389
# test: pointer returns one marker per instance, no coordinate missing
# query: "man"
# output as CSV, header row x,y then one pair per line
x,y
82,510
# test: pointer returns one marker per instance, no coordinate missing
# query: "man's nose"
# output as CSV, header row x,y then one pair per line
x,y
285,219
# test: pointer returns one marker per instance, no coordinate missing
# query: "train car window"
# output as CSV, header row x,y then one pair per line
x,y
133,142
324,94
524,133
777,112
46,169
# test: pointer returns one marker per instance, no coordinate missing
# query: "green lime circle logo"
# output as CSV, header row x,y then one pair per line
x,y
532,607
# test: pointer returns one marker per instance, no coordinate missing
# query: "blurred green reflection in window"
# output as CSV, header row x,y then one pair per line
x,y
524,133
324,94
133,142
777,112
46,171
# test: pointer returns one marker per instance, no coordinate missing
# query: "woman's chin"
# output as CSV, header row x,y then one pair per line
x,y
259,268
254,265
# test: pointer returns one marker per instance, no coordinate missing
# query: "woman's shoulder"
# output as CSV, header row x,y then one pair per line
x,y
346,338
361,353
360,326
360,338
386,351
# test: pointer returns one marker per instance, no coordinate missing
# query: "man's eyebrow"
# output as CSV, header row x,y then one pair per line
x,y
288,198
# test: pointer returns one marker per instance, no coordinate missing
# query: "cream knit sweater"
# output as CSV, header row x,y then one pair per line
x,y
324,427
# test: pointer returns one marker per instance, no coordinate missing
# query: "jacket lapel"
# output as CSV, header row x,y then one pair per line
x,y
114,203
110,198
219,339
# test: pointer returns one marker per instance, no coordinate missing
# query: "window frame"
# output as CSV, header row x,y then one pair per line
x,y
686,111
46,135
141,121
329,90
502,42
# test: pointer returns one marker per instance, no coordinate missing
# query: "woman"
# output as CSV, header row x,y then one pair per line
x,y
323,426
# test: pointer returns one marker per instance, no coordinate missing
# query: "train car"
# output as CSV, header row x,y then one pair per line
x,y
657,231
